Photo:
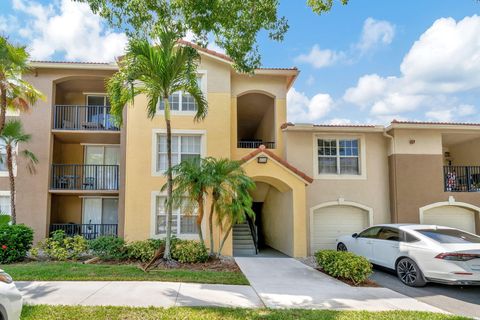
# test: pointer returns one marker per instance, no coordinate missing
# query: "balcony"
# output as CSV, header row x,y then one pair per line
x,y
253,144
88,231
87,177
461,178
83,118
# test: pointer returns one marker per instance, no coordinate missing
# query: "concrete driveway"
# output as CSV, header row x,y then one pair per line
x,y
288,283
455,299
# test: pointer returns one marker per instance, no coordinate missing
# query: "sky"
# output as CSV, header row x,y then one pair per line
x,y
368,62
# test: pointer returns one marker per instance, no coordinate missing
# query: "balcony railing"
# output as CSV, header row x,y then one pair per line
x,y
85,177
461,178
253,144
88,231
97,118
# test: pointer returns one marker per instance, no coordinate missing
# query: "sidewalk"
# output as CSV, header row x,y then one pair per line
x,y
288,283
137,294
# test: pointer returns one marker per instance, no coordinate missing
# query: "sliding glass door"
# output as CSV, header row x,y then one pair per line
x,y
101,172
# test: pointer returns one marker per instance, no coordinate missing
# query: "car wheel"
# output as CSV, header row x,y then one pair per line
x,y
341,247
409,273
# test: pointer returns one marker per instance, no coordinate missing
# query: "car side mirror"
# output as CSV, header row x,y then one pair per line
x,y
355,235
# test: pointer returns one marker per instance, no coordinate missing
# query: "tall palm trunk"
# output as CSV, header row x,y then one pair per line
x,y
13,210
225,237
200,218
167,254
3,106
210,223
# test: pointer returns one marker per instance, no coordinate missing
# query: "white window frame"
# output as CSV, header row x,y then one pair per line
x,y
153,221
156,132
202,74
15,155
6,193
362,157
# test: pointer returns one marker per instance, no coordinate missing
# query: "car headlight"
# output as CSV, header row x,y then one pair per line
x,y
5,277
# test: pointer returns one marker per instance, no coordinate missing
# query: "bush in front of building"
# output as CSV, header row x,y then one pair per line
x,y
189,251
15,241
346,265
61,247
143,251
109,248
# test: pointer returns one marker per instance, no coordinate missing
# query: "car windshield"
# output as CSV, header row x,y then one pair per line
x,y
449,236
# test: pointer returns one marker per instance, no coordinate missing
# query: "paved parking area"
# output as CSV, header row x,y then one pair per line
x,y
454,299
288,283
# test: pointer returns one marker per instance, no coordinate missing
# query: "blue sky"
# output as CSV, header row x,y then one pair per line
x,y
367,62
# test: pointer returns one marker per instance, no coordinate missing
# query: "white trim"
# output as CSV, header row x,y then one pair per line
x,y
153,219
339,202
362,157
451,202
5,193
180,132
98,94
14,162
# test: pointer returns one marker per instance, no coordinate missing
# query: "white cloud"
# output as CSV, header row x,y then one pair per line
x,y
445,60
446,115
339,121
310,80
320,58
70,29
303,109
374,33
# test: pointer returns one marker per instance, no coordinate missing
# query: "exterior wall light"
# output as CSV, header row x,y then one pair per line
x,y
262,159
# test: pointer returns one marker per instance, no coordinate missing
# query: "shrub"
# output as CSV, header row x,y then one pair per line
x,y
15,241
143,250
341,264
61,247
109,248
189,251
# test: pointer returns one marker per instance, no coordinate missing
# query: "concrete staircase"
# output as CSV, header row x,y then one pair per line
x,y
243,244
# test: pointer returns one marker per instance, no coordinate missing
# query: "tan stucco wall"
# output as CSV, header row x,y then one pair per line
x,y
372,192
277,220
66,209
68,153
424,141
464,154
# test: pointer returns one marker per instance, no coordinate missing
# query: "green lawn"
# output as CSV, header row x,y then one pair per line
x,y
124,313
71,271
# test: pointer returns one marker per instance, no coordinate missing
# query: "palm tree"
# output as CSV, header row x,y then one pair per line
x,y
15,93
11,136
226,177
157,71
191,183
234,208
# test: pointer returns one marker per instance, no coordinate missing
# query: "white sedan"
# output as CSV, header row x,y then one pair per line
x,y
419,253
10,298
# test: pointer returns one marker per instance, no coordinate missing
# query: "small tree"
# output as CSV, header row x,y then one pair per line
x,y
15,93
11,136
190,184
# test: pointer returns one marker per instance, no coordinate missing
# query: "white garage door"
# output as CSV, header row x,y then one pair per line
x,y
451,216
331,222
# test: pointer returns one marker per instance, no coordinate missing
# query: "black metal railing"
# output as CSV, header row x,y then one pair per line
x,y
88,231
253,144
461,178
85,177
253,232
72,117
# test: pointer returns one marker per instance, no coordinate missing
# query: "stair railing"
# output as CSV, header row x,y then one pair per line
x,y
253,231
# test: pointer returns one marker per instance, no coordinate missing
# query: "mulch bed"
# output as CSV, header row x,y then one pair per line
x,y
367,284
214,264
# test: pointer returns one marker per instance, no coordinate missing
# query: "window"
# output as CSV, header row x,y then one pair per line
x,y
5,204
3,156
407,237
183,147
181,101
338,156
370,233
449,235
390,234
183,218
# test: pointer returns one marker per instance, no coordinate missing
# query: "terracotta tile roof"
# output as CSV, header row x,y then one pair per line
x,y
436,123
289,124
263,149
71,62
221,55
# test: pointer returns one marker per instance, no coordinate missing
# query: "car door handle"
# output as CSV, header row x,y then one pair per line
x,y
394,246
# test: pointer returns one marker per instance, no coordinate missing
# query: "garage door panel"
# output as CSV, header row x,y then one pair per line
x,y
451,216
332,222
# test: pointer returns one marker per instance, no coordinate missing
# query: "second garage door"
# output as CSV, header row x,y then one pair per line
x,y
331,222
451,216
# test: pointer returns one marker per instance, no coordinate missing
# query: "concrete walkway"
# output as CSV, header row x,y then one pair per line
x,y
137,294
288,283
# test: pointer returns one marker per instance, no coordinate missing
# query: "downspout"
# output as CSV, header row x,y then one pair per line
x,y
393,184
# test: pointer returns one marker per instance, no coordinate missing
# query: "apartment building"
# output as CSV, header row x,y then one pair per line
x,y
313,182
